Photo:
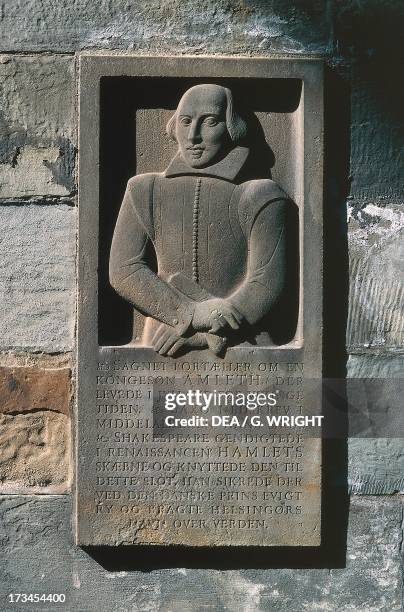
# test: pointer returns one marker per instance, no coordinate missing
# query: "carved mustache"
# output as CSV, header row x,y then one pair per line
x,y
195,148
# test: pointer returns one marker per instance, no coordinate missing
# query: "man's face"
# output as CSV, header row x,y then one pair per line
x,y
201,129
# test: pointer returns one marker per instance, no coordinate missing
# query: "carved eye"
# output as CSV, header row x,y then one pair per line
x,y
185,120
211,121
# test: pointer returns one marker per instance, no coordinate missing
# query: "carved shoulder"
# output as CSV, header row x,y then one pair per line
x,y
140,185
254,196
139,191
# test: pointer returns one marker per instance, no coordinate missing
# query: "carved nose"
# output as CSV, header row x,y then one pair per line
x,y
194,134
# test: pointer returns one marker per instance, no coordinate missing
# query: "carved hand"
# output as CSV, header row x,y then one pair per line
x,y
213,315
167,342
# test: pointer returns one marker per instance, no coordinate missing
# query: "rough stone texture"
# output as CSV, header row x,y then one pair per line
x,y
37,277
368,55
37,126
377,133
28,389
36,532
377,365
368,29
231,26
376,466
376,304
34,452
38,555
375,216
367,38
44,361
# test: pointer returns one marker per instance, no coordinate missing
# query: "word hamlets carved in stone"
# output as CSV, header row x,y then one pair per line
x,y
218,269
219,237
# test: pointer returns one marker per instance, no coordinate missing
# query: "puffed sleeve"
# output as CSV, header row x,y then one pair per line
x,y
265,218
129,270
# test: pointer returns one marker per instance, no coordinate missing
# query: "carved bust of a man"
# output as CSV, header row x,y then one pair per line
x,y
199,249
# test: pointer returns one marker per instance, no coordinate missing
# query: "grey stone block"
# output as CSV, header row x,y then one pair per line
x,y
35,551
38,556
377,131
379,365
182,26
376,302
37,122
37,277
370,581
368,29
376,466
374,389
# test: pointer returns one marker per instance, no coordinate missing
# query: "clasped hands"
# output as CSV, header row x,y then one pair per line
x,y
212,316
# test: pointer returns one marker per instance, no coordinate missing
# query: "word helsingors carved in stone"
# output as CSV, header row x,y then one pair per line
x,y
200,276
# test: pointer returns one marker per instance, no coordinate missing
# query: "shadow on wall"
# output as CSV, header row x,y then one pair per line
x,y
368,38
335,501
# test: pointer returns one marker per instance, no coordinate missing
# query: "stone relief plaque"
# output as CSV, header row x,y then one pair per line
x,y
200,301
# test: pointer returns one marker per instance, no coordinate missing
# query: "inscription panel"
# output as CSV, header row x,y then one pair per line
x,y
200,472
239,484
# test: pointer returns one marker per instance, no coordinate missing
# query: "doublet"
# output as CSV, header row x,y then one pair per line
x,y
224,236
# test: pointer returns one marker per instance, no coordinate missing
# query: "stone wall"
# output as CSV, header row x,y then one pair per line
x,y
39,43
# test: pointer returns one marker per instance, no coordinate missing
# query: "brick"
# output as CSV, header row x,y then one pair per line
x,y
26,389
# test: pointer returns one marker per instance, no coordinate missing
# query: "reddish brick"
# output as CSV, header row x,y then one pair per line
x,y
24,389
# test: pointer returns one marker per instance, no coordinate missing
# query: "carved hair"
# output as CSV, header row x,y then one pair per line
x,y
236,126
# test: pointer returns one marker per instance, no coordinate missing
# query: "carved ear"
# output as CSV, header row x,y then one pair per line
x,y
236,126
237,129
170,127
